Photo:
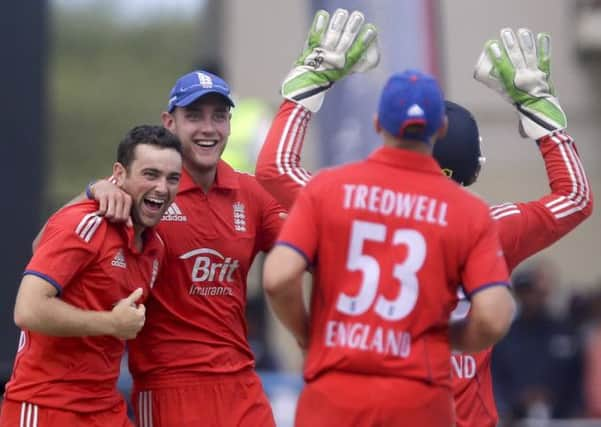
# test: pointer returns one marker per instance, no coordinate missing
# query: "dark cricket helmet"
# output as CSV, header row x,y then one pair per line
x,y
458,153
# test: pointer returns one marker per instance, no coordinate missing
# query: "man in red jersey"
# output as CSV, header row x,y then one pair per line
x,y
389,238
81,295
524,228
194,345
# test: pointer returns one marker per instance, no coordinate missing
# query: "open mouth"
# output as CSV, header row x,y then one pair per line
x,y
206,143
153,203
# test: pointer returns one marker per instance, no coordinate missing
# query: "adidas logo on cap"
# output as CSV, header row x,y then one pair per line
x,y
415,111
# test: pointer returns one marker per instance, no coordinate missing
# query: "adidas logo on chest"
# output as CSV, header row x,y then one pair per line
x,y
119,260
174,214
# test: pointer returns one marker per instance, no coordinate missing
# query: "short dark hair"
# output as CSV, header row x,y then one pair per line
x,y
146,134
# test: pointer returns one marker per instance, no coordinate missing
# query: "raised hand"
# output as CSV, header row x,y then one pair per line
x,y
334,48
519,68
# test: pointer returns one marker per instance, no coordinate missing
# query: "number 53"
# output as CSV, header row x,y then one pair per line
x,y
404,272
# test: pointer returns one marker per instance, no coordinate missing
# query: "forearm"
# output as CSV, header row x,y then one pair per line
x,y
54,317
570,189
527,228
288,306
278,165
467,337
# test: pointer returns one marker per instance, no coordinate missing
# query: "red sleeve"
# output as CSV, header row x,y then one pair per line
x,y
526,228
278,165
300,228
70,242
485,265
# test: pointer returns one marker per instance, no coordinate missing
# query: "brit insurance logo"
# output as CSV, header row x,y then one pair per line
x,y
212,272
174,214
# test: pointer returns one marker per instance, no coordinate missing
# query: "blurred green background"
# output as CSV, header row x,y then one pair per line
x,y
105,76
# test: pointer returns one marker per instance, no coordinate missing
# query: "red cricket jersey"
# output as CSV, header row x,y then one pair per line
x,y
196,314
391,238
524,229
93,265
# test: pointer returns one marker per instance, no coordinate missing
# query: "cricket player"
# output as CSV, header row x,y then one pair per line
x,y
524,228
192,364
389,239
522,61
82,295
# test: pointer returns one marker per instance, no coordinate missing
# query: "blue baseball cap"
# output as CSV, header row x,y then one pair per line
x,y
411,106
192,86
458,153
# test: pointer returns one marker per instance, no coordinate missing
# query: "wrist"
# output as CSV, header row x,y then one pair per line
x,y
107,323
90,190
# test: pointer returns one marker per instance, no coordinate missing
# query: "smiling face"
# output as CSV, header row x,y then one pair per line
x,y
151,179
203,127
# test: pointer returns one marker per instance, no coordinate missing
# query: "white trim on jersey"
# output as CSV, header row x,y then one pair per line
x,y
88,226
29,415
158,236
293,134
145,409
501,211
579,197
560,206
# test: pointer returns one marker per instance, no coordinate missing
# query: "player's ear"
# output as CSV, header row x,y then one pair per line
x,y
444,127
377,126
119,173
168,120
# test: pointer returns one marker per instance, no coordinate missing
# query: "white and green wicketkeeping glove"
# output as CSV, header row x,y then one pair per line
x,y
334,48
519,68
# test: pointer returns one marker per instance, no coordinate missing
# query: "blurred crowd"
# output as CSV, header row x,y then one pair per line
x,y
549,364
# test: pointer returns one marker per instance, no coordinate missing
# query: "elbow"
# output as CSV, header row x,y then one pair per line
x,y
588,208
23,317
491,314
496,321
271,284
584,201
276,280
495,329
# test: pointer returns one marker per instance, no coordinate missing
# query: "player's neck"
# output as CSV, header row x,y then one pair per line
x,y
409,145
204,178
139,236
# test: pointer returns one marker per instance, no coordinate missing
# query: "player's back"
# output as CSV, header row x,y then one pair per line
x,y
394,238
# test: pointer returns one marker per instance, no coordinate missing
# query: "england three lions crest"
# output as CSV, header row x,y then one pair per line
x,y
239,216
